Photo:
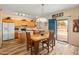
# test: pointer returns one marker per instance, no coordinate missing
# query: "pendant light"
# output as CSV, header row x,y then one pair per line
x,y
41,20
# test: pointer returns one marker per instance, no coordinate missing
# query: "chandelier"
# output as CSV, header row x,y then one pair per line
x,y
41,20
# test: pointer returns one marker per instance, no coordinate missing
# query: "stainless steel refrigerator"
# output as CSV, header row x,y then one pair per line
x,y
11,30
5,31
8,31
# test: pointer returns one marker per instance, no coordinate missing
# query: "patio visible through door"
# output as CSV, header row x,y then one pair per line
x,y
62,33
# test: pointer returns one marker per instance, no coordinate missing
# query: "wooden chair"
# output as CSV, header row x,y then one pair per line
x,y
30,43
33,43
49,42
28,35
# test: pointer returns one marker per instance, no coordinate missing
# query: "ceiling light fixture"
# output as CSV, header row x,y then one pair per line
x,y
41,20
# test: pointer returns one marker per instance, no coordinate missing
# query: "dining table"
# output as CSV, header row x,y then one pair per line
x,y
36,38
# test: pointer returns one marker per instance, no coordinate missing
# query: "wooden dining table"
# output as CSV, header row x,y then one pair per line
x,y
36,38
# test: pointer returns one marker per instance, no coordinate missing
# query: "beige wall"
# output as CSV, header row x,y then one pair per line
x,y
72,13
73,36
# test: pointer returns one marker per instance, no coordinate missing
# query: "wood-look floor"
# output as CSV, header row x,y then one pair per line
x,y
11,47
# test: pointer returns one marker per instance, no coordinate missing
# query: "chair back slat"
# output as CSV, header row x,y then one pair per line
x,y
51,35
28,35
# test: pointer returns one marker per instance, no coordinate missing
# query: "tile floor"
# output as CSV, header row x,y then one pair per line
x,y
61,48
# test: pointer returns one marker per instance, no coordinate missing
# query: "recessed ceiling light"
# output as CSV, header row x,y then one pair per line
x,y
23,14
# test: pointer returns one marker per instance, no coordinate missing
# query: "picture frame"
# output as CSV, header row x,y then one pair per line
x,y
76,25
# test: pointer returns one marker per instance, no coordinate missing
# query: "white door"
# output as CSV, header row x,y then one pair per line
x,y
0,34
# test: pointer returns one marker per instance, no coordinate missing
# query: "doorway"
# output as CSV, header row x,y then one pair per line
x,y
62,30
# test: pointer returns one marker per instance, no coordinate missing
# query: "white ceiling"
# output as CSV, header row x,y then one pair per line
x,y
35,9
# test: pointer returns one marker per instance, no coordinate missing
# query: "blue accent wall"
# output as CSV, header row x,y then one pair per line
x,y
52,24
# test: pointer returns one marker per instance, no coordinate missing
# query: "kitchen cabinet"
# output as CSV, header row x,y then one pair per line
x,y
21,37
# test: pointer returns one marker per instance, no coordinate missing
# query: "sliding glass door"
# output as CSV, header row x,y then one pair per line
x,y
62,29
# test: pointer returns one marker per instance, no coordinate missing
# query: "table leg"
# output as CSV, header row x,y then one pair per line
x,y
27,45
36,47
54,42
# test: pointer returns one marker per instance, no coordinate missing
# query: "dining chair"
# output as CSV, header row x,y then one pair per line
x,y
29,42
34,43
49,42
